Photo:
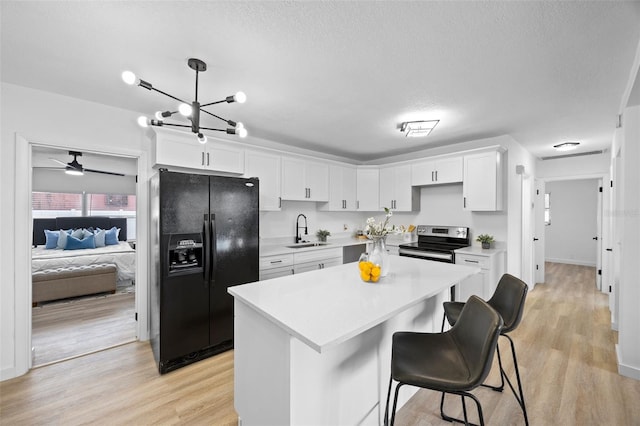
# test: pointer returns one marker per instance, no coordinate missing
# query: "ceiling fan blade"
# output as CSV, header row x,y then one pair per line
x,y
103,172
49,168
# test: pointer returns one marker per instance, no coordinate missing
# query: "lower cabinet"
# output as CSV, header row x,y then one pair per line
x,y
295,263
491,264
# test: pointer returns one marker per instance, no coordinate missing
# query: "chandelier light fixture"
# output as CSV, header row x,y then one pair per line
x,y
189,110
415,129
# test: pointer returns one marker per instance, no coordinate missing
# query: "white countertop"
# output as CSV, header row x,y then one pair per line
x,y
281,248
326,307
477,250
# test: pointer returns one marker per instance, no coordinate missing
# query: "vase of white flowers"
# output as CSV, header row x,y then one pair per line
x,y
377,232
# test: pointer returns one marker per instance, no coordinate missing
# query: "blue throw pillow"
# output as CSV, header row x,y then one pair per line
x,y
111,237
52,239
99,236
74,243
62,237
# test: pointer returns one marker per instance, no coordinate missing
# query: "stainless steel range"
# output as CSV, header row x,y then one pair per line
x,y
437,243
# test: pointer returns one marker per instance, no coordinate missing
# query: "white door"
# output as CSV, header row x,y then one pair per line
x,y
527,232
538,237
598,237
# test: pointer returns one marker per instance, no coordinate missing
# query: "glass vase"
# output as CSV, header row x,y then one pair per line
x,y
379,254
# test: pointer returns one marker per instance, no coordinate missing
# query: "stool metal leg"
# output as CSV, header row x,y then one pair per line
x,y
520,397
395,402
386,408
464,409
499,388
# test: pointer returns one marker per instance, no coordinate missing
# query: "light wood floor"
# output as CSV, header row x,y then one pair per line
x,y
565,352
78,326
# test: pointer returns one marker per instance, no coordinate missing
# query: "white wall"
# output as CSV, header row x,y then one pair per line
x,y
569,237
581,166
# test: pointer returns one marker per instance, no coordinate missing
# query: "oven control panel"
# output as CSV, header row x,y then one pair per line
x,y
442,231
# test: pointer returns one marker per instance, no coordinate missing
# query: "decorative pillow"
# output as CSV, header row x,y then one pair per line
x,y
74,243
111,236
51,238
86,233
99,236
78,233
62,237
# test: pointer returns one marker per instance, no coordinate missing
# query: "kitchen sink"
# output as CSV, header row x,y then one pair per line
x,y
305,245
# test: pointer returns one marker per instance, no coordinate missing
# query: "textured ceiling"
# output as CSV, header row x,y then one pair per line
x,y
339,77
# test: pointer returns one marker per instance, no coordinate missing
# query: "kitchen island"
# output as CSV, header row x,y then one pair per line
x,y
315,348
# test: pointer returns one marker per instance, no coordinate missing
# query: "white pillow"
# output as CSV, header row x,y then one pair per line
x,y
99,234
62,239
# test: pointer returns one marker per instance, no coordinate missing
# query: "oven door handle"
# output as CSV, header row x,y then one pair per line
x,y
425,254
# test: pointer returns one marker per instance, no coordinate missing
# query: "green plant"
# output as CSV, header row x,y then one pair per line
x,y
485,238
322,234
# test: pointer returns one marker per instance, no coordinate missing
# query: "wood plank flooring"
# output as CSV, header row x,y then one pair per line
x,y
565,351
78,326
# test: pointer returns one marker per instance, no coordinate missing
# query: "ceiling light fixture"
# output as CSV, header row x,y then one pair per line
x,y
190,110
566,146
414,129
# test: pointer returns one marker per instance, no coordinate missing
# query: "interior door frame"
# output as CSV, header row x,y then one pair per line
x,y
602,229
538,244
24,226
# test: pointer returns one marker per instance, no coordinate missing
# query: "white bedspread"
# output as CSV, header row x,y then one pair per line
x,y
122,255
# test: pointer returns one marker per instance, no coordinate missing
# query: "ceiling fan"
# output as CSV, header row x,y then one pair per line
x,y
76,169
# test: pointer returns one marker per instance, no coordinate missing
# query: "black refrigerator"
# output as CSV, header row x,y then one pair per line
x,y
204,239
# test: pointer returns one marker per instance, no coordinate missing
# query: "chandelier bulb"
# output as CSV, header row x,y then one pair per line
x,y
159,115
143,121
128,77
185,109
202,138
240,97
242,132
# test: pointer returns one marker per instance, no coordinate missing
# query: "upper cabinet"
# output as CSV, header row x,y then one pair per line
x,y
342,189
367,189
396,191
482,186
437,171
266,167
183,150
304,180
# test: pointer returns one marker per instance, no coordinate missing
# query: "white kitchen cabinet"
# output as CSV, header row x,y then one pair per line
x,y
317,259
183,150
304,180
266,167
491,263
275,266
482,187
342,189
396,191
368,189
437,171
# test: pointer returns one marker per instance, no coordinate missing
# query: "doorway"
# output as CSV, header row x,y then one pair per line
x,y
70,317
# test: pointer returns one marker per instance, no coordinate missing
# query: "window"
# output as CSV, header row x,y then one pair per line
x,y
56,204
547,208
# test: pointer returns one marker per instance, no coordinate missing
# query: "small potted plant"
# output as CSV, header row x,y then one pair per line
x,y
322,235
486,240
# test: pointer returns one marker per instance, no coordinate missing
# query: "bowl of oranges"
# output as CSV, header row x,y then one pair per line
x,y
369,271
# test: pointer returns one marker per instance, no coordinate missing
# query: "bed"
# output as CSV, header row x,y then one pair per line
x,y
122,255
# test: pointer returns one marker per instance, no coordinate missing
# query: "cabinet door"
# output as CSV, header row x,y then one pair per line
x,y
423,173
367,189
448,170
342,189
175,150
293,179
222,158
482,185
265,167
387,188
305,267
405,195
275,273
317,181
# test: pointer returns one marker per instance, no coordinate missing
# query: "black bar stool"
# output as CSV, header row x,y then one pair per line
x,y
456,361
508,300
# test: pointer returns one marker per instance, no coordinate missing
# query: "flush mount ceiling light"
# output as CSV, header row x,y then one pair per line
x,y
415,129
189,110
566,146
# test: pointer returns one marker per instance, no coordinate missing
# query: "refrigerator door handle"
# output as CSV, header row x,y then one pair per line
x,y
212,248
207,245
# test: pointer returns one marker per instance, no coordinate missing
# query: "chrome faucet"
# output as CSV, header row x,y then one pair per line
x,y
298,237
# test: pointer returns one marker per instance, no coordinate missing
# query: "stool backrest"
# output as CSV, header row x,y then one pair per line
x,y
508,300
476,335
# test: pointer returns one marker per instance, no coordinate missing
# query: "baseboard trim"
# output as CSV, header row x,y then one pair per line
x,y
627,370
572,262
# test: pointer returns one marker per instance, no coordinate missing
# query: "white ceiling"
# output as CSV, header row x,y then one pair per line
x,y
339,77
